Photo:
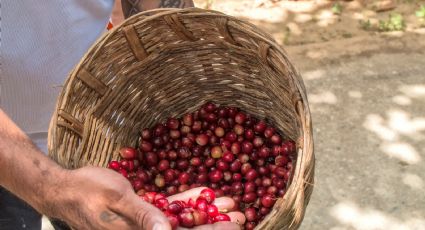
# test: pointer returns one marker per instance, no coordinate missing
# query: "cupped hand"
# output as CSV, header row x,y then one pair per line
x,y
99,198
224,204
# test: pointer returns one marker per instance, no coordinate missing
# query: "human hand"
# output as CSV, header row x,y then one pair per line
x,y
222,203
99,198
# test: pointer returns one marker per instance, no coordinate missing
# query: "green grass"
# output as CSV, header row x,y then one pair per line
x,y
286,35
421,12
395,22
336,8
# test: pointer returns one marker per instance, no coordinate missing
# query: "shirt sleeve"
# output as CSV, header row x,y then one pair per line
x,y
41,41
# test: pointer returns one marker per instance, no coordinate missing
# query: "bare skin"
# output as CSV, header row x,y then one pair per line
x,y
86,198
117,15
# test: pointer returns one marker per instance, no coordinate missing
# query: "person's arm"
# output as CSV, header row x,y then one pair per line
x,y
117,15
86,198
131,7
24,170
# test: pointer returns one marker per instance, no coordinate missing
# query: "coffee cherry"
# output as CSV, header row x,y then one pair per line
x,y
212,210
251,214
208,195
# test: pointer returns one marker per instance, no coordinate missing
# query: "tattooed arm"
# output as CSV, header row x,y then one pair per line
x,y
131,7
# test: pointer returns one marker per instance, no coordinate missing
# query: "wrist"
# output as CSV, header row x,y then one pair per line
x,y
54,193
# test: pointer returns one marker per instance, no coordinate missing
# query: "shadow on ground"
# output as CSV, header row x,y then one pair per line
x,y
367,96
368,110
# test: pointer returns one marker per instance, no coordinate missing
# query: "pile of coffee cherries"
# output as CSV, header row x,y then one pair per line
x,y
222,148
188,214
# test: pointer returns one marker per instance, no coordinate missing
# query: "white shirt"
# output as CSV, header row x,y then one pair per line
x,y
41,41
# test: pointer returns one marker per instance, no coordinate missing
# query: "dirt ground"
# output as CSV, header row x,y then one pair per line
x,y
368,110
305,22
366,91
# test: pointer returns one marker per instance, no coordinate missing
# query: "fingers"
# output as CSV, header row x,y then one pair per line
x,y
224,204
186,195
216,226
141,213
237,217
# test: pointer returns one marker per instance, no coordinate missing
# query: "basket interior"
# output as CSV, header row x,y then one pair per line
x,y
177,76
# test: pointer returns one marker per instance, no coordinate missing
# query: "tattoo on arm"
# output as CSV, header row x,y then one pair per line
x,y
108,217
44,172
176,3
131,7
171,4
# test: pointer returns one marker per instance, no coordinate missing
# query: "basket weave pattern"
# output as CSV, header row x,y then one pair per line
x,y
168,62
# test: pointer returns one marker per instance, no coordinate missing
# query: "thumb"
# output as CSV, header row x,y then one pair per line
x,y
141,213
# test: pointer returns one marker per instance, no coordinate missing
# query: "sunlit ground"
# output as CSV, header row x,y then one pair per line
x,y
368,219
369,122
366,90
303,22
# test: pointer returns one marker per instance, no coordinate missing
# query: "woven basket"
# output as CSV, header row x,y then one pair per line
x,y
168,62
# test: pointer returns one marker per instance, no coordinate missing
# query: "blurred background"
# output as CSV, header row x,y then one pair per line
x,y
363,63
